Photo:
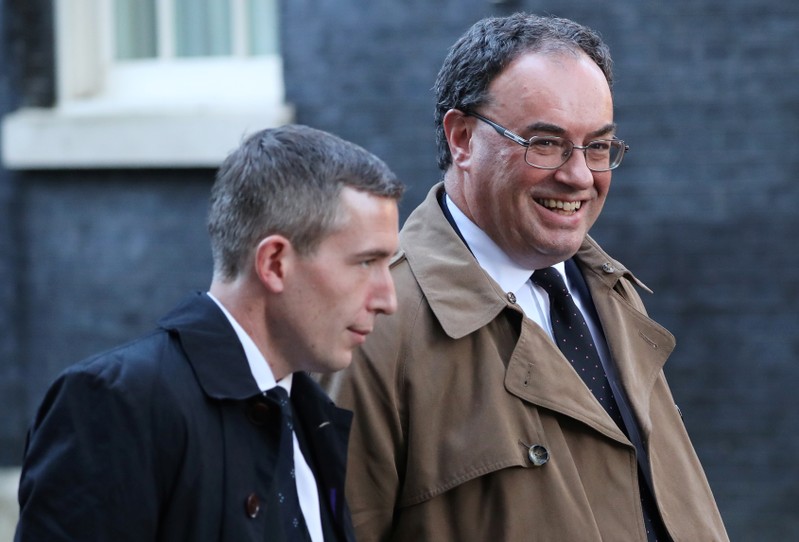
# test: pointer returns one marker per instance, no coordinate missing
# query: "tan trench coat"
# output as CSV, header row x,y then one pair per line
x,y
451,391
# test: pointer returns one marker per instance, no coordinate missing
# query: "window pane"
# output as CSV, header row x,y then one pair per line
x,y
134,22
263,27
203,28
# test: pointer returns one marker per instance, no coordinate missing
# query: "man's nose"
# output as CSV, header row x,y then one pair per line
x,y
384,296
575,171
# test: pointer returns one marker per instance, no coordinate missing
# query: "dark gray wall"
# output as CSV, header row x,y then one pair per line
x,y
106,254
12,394
707,95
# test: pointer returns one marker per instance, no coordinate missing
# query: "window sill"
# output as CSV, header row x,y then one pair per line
x,y
174,137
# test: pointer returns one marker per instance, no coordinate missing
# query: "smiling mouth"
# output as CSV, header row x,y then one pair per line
x,y
560,205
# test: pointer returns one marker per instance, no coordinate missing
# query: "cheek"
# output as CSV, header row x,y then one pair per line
x,y
501,161
344,291
602,183
514,189
602,187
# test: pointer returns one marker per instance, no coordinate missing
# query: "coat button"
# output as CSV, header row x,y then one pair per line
x,y
607,267
252,505
258,412
511,297
538,455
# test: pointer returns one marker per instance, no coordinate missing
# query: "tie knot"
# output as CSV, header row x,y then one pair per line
x,y
279,395
550,280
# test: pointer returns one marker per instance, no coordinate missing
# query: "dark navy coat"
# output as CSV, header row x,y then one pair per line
x,y
168,438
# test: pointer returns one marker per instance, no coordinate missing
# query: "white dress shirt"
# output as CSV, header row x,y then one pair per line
x,y
512,277
306,482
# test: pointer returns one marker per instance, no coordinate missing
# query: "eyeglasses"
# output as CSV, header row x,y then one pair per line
x,y
551,152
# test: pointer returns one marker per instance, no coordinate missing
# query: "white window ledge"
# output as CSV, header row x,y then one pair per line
x,y
162,112
112,138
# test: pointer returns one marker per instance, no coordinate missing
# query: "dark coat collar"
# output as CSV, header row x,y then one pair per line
x,y
218,359
212,348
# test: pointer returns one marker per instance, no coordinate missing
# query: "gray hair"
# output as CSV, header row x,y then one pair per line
x,y
489,46
287,181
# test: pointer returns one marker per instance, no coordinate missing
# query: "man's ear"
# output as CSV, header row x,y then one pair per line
x,y
273,257
458,130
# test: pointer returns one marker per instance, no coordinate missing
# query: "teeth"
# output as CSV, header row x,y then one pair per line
x,y
568,206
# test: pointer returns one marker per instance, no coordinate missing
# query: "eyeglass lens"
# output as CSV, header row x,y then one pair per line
x,y
552,152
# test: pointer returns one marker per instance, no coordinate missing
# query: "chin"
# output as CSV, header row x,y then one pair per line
x,y
567,247
334,365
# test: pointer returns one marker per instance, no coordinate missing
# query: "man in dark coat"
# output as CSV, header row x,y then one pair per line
x,y
176,436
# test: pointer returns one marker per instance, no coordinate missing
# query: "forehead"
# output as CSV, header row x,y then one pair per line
x,y
560,87
360,206
363,220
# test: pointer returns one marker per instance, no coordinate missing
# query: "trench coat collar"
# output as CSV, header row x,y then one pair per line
x,y
445,268
592,258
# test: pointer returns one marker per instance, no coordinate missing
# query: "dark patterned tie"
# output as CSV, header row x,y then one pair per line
x,y
575,342
287,498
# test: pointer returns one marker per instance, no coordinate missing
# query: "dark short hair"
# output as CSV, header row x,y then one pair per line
x,y
489,46
287,181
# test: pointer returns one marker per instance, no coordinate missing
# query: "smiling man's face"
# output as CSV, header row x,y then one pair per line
x,y
538,217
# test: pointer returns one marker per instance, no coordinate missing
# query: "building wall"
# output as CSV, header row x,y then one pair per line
x,y
14,48
707,95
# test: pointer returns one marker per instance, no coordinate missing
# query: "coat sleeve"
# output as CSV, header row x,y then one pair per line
x,y
89,472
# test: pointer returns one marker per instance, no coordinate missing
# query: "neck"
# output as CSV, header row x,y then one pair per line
x,y
248,307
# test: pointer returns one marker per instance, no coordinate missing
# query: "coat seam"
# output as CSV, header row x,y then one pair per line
x,y
465,477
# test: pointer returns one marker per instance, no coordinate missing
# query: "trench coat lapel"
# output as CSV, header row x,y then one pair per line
x,y
638,345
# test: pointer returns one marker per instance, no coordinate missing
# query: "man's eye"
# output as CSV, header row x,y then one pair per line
x,y
546,146
601,145
545,142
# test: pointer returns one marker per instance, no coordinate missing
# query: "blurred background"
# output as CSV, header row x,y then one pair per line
x,y
115,114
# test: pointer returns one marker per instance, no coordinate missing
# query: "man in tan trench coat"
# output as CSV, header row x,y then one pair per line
x,y
470,424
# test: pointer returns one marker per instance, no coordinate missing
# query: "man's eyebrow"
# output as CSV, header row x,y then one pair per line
x,y
546,127
375,253
605,130
554,129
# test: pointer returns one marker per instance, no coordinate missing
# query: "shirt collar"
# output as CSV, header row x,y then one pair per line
x,y
509,275
261,371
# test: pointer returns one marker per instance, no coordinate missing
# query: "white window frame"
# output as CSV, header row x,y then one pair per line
x,y
173,113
